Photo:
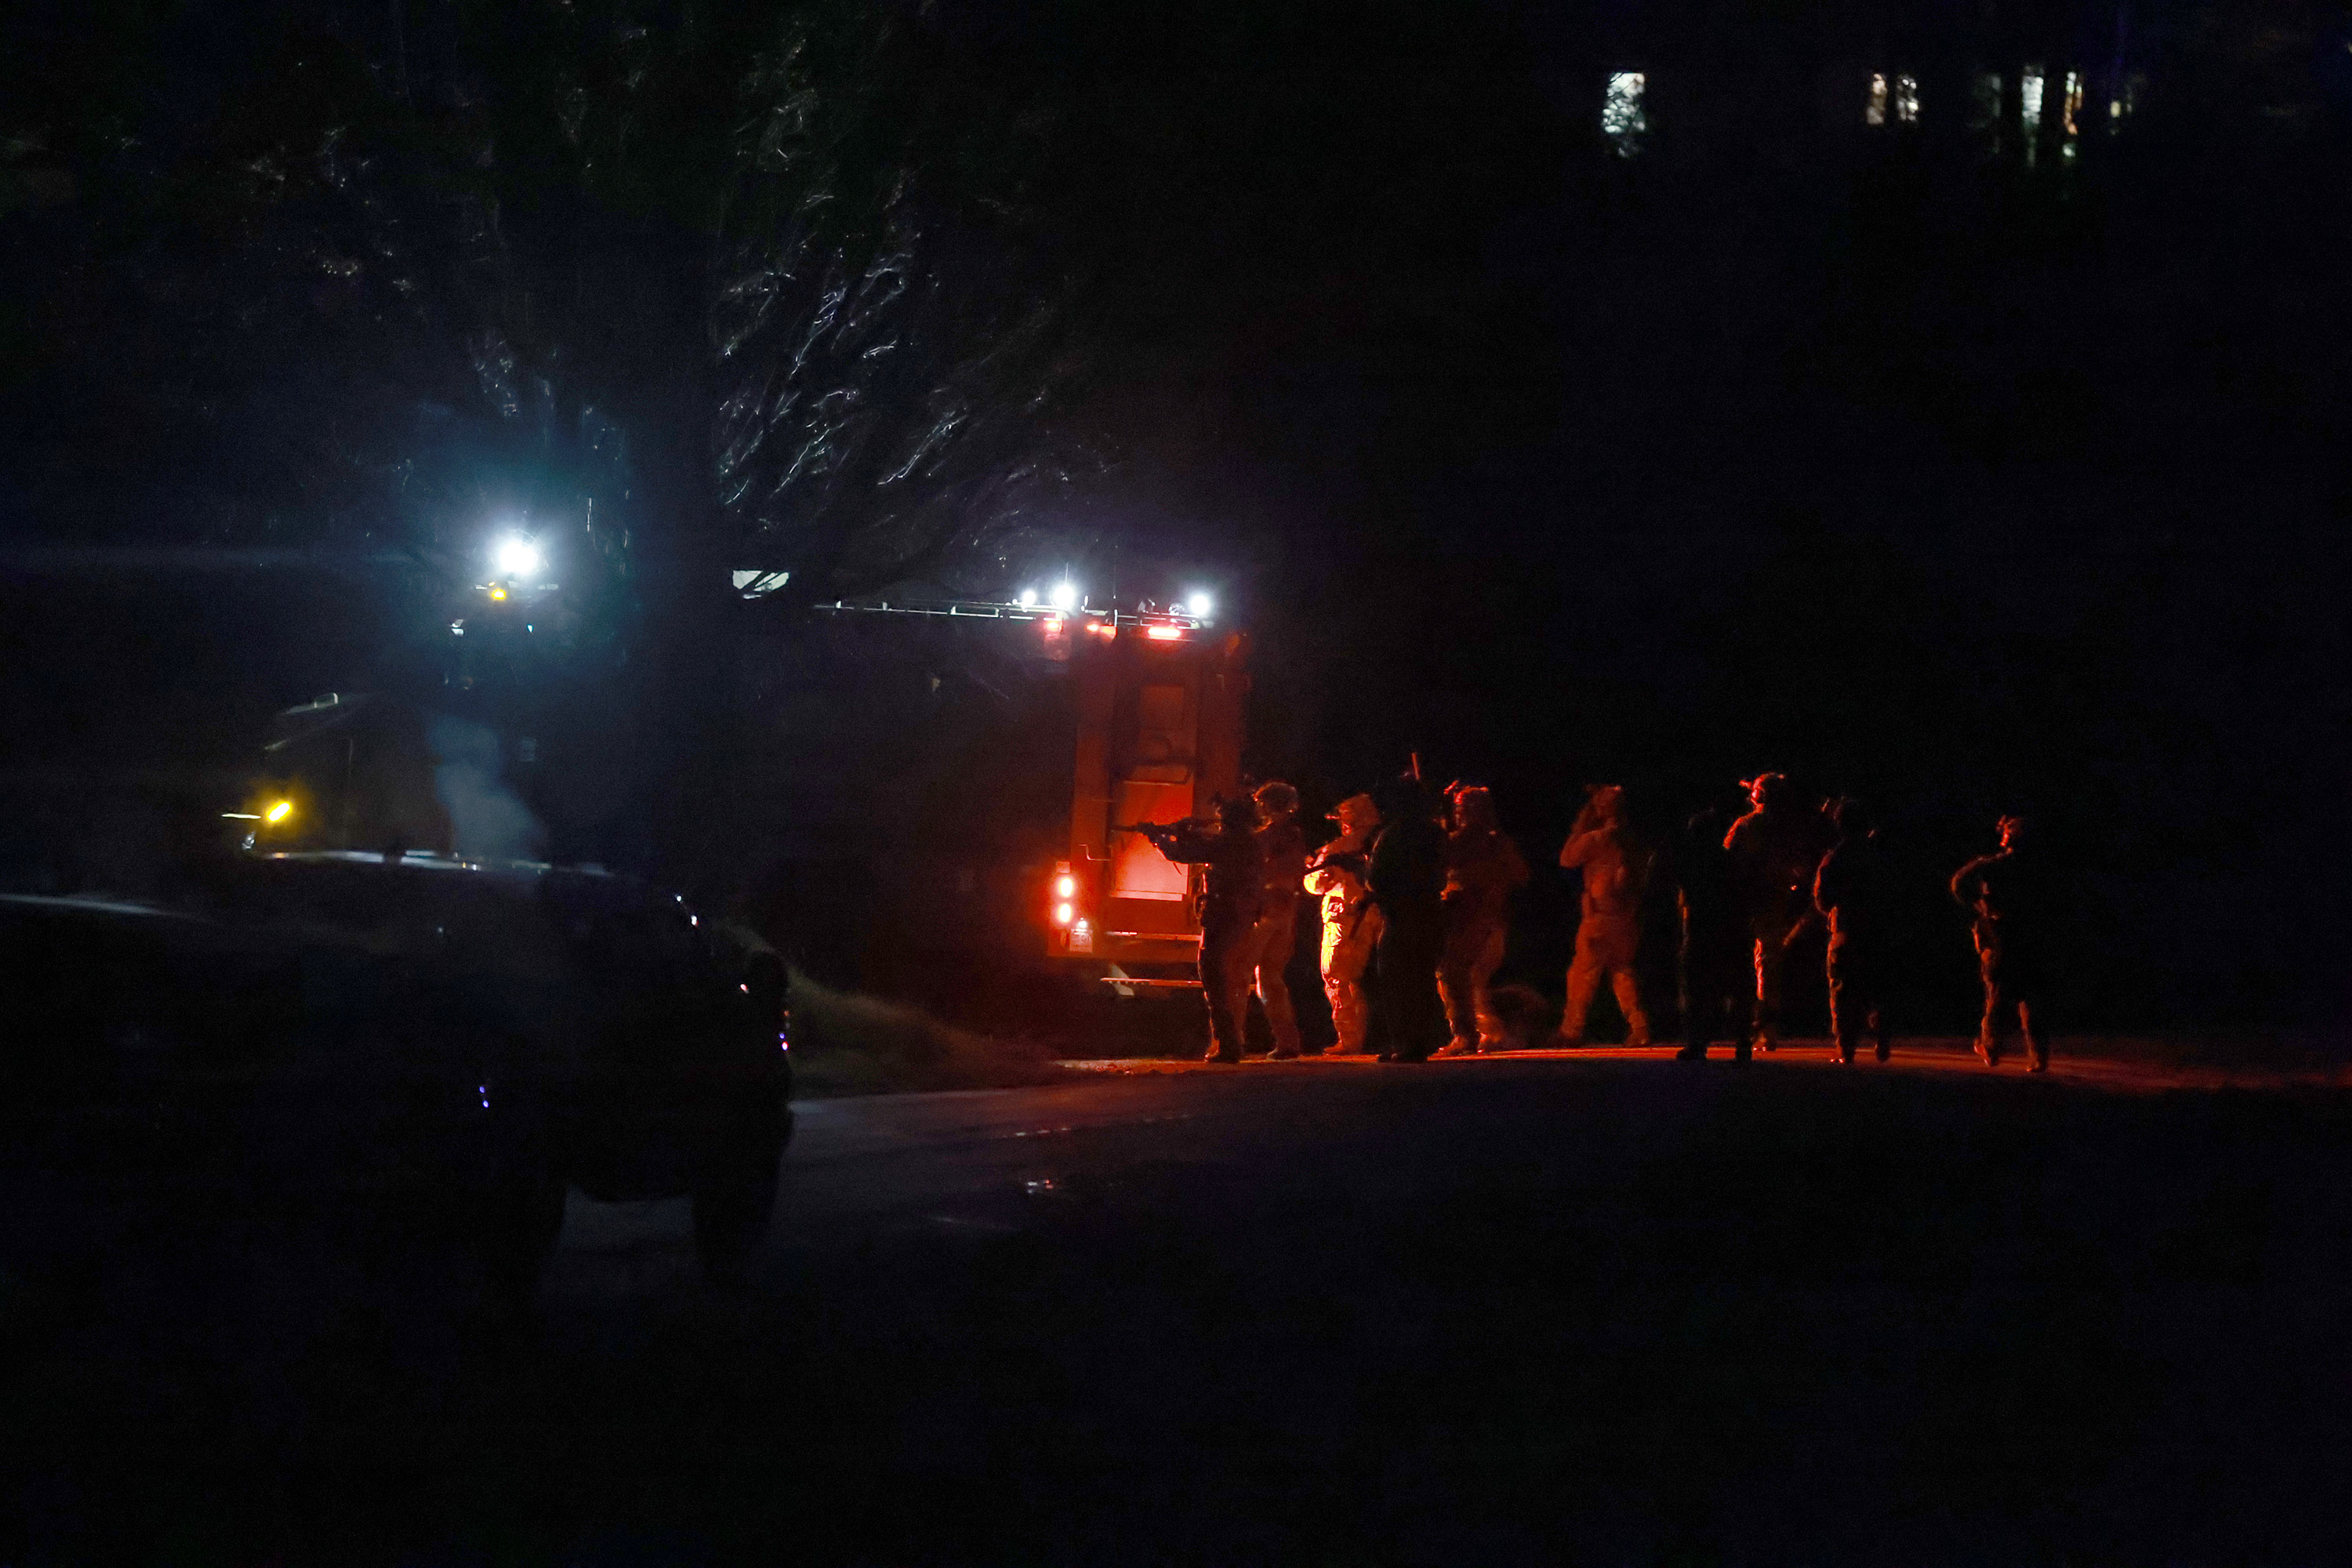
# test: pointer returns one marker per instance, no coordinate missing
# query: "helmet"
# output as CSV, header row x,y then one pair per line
x,y
1768,789
1473,805
1356,812
1275,797
1239,812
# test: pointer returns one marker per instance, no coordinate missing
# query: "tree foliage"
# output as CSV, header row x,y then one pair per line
x,y
699,286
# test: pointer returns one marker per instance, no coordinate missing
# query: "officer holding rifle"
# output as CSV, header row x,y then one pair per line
x,y
1228,909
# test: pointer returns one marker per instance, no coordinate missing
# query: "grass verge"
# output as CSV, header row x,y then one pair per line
x,y
843,1043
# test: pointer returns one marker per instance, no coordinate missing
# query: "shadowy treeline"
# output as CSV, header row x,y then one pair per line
x,y
1986,459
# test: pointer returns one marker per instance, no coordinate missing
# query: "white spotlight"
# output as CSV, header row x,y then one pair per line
x,y
1028,598
519,557
1200,605
1065,596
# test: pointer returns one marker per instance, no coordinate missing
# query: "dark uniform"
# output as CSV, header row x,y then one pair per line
x,y
1712,960
1282,882
1854,890
2010,895
1774,851
1228,909
1407,877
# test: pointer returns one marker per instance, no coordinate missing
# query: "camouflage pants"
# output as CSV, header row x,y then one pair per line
x,y
1473,951
1771,932
1347,954
1605,946
1225,951
2016,984
1271,941
1857,974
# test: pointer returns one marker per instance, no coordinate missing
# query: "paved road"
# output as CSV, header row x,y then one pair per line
x,y
1609,1308
922,1159
1614,1305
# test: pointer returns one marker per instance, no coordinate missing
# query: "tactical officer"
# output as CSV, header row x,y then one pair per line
x,y
1483,869
1774,851
1228,909
1407,878
1351,922
1711,952
2010,895
1855,891
1282,851
1616,872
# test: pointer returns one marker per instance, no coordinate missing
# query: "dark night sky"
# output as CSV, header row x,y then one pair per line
x,y
1864,456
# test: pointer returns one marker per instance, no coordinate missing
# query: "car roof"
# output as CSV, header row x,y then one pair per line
x,y
91,903
576,886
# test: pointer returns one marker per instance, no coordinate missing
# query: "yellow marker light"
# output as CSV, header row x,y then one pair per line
x,y
279,813
1066,886
497,590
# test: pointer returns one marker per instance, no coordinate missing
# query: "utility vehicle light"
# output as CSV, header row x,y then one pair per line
x,y
1065,596
1066,886
1199,603
279,813
519,557
1064,913
1164,634
497,590
1028,598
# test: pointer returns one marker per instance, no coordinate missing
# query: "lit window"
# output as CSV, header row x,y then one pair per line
x,y
1906,100
1623,118
1875,112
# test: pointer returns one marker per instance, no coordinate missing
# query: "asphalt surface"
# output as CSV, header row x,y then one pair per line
x,y
1609,1308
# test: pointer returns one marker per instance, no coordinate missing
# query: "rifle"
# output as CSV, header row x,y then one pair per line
x,y
1161,836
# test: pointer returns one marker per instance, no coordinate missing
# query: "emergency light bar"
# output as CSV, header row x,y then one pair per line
x,y
1160,625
